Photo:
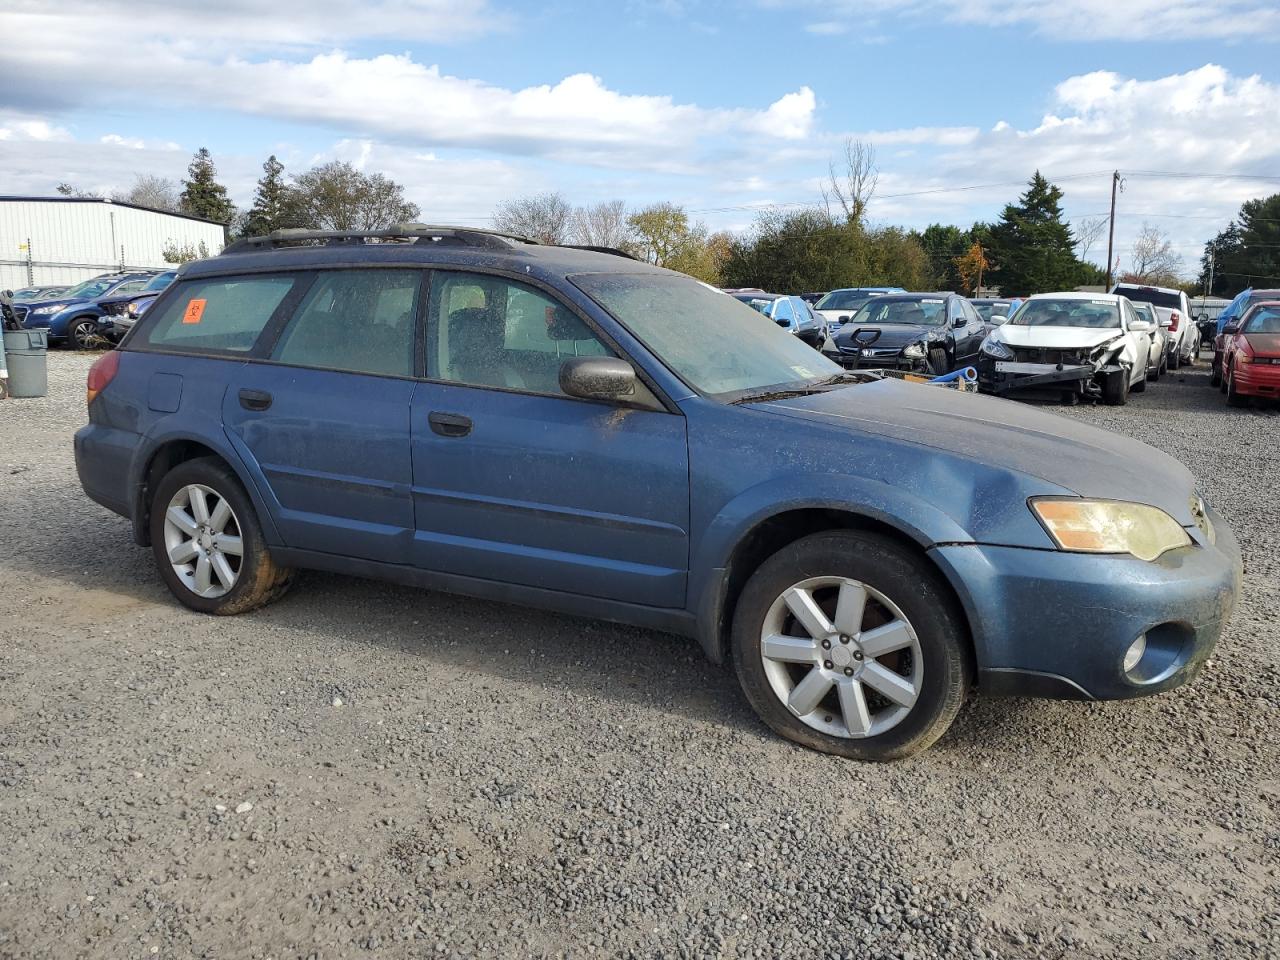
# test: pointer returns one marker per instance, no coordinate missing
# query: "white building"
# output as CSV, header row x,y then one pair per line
x,y
63,240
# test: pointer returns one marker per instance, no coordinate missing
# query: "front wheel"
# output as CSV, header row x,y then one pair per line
x,y
850,644
83,334
1115,388
208,543
938,362
1234,399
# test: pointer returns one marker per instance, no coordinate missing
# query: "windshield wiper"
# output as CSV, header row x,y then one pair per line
x,y
774,395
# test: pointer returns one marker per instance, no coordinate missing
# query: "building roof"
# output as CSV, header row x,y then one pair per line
x,y
108,200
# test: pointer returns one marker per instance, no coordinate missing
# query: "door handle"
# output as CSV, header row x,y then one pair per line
x,y
449,424
255,399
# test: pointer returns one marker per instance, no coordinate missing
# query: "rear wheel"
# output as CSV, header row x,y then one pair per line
x,y
208,543
1154,371
848,643
1215,374
1140,385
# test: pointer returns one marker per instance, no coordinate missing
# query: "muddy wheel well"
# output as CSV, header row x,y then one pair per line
x,y
771,535
162,461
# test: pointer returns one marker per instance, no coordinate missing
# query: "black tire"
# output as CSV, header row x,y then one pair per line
x,y
1234,399
938,364
913,585
1153,373
1115,388
1215,375
1175,358
1140,386
1190,361
81,333
260,579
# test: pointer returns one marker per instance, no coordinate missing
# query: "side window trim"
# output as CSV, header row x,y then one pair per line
x,y
303,282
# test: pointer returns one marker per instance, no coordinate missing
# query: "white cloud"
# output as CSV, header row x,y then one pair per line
x,y
195,27
1087,20
17,126
115,140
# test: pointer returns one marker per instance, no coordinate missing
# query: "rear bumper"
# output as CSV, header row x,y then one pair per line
x,y
1053,624
103,459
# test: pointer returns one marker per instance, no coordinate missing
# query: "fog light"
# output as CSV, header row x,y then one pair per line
x,y
1133,656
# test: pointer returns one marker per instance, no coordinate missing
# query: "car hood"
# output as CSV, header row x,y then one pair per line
x,y
1004,434
60,304
1264,344
891,334
1056,338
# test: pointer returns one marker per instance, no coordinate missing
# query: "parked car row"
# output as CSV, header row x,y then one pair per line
x,y
84,315
1248,354
791,313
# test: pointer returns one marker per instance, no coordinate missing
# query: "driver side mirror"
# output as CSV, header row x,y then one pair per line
x,y
1231,329
598,378
1141,326
959,321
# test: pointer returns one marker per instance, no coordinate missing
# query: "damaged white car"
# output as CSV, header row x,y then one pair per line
x,y
1071,345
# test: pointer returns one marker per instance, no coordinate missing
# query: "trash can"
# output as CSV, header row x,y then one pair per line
x,y
26,354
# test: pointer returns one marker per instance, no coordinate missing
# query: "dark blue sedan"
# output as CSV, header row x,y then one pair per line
x,y
72,317
523,423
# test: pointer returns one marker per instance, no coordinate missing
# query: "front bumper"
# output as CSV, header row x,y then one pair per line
x,y
1007,376
1257,379
1048,623
871,359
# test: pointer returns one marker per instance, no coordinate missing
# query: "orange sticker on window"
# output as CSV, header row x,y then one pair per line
x,y
195,310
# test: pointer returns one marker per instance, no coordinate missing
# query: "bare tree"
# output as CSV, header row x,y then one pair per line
x,y
1087,232
852,183
544,217
337,196
148,190
1154,259
602,225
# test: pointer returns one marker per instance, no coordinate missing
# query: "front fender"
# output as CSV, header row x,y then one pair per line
x,y
61,322
903,511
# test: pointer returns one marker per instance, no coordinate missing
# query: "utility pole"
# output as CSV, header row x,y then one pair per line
x,y
982,262
1111,235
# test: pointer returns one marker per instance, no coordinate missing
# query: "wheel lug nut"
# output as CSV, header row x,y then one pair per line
x,y
848,671
828,664
826,644
844,638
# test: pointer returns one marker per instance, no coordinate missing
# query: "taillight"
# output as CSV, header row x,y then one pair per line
x,y
1173,321
102,373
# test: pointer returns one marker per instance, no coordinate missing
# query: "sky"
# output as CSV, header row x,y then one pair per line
x,y
725,108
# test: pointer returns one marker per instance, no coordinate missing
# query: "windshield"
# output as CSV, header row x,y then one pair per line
x,y
1144,312
1097,314
845,299
83,291
1151,295
918,311
760,306
160,281
713,342
1262,320
993,312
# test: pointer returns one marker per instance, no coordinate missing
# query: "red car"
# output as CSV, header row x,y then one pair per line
x,y
1251,356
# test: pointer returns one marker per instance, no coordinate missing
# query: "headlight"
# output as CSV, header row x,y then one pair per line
x,y
1109,346
913,350
995,348
1109,526
41,311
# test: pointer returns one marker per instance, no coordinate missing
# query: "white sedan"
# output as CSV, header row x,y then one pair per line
x,y
1070,344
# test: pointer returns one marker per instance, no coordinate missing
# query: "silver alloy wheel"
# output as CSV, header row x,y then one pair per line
x,y
841,657
83,334
203,542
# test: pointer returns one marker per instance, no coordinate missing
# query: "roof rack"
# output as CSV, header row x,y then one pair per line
x,y
395,233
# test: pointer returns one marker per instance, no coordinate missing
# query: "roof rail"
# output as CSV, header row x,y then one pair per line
x,y
395,233
597,249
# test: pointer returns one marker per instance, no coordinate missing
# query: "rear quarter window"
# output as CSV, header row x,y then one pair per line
x,y
220,315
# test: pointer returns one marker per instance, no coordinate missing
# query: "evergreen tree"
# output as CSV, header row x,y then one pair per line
x,y
202,195
1031,247
273,205
1247,252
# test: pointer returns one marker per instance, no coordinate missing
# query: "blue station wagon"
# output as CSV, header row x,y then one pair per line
x,y
573,429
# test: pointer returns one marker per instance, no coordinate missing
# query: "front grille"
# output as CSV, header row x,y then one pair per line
x,y
870,352
1046,355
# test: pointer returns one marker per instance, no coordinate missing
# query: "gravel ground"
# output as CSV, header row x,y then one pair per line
x,y
368,771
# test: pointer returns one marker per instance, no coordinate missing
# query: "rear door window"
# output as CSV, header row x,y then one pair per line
x,y
217,315
356,320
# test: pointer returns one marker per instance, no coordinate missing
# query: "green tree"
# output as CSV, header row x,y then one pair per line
x,y
1247,252
1031,247
942,244
273,202
176,253
660,232
202,195
337,196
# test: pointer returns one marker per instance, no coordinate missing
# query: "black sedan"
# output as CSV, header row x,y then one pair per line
x,y
931,333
